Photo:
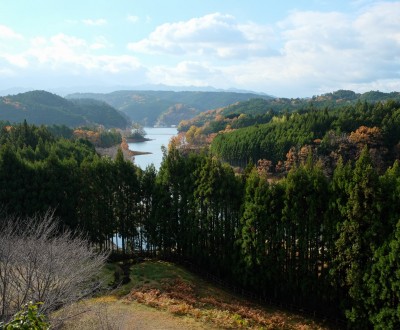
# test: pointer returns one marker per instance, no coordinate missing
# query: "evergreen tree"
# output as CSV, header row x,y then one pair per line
x,y
126,199
383,282
306,201
358,238
254,224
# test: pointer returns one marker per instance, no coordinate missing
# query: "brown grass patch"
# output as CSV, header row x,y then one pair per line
x,y
181,297
178,300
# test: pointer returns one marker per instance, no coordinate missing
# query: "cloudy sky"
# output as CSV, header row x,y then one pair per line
x,y
285,48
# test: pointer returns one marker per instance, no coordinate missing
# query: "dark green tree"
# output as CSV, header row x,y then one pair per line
x,y
359,237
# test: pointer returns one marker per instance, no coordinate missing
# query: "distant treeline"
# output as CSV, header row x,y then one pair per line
x,y
41,107
151,108
331,245
261,110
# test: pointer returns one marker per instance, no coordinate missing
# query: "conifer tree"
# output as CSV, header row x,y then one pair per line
x,y
358,238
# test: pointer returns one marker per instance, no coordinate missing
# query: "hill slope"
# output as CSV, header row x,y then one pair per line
x,y
181,300
41,107
261,110
327,135
166,107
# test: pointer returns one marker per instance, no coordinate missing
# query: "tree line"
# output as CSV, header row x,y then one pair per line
x,y
259,110
326,243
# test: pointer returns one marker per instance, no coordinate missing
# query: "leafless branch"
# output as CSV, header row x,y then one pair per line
x,y
39,261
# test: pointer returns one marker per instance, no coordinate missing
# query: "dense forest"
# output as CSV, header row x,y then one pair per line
x,y
326,243
41,107
327,134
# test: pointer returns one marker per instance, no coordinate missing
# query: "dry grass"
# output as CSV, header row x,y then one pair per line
x,y
122,315
183,294
164,296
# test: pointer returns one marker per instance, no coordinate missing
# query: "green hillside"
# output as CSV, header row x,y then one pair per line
x,y
327,135
101,113
259,111
166,107
41,107
315,230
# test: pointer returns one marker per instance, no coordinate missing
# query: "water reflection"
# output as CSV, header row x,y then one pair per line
x,y
159,136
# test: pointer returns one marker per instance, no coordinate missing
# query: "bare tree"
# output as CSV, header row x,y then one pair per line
x,y
41,263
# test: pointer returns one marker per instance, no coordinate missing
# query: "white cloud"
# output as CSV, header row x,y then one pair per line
x,y
94,22
67,60
66,55
8,33
16,60
185,73
10,41
213,35
313,52
100,42
58,49
61,50
336,48
307,53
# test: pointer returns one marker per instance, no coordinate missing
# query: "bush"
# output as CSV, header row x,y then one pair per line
x,y
42,262
27,319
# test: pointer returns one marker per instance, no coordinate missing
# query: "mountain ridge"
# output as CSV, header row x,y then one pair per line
x,y
64,91
164,108
256,110
42,107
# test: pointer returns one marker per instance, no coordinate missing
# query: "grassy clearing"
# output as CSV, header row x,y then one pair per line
x,y
168,287
162,295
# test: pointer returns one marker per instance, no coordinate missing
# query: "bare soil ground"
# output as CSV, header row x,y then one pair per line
x,y
112,151
118,314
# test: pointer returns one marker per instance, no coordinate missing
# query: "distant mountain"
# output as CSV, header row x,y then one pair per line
x,y
66,90
41,107
168,88
167,107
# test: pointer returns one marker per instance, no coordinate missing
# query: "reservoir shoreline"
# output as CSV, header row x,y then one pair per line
x,y
148,152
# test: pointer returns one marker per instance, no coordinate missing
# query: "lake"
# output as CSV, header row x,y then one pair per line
x,y
159,136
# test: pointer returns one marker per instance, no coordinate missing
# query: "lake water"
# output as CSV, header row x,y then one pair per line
x,y
159,136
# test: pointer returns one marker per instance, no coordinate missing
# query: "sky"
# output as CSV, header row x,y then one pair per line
x,y
282,48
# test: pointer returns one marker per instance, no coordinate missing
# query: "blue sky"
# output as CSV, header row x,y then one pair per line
x,y
284,48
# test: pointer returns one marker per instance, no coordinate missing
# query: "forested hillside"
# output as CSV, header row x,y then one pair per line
x,y
326,128
40,107
325,244
151,108
326,135
259,111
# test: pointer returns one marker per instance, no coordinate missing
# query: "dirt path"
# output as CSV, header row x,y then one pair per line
x,y
120,315
140,317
